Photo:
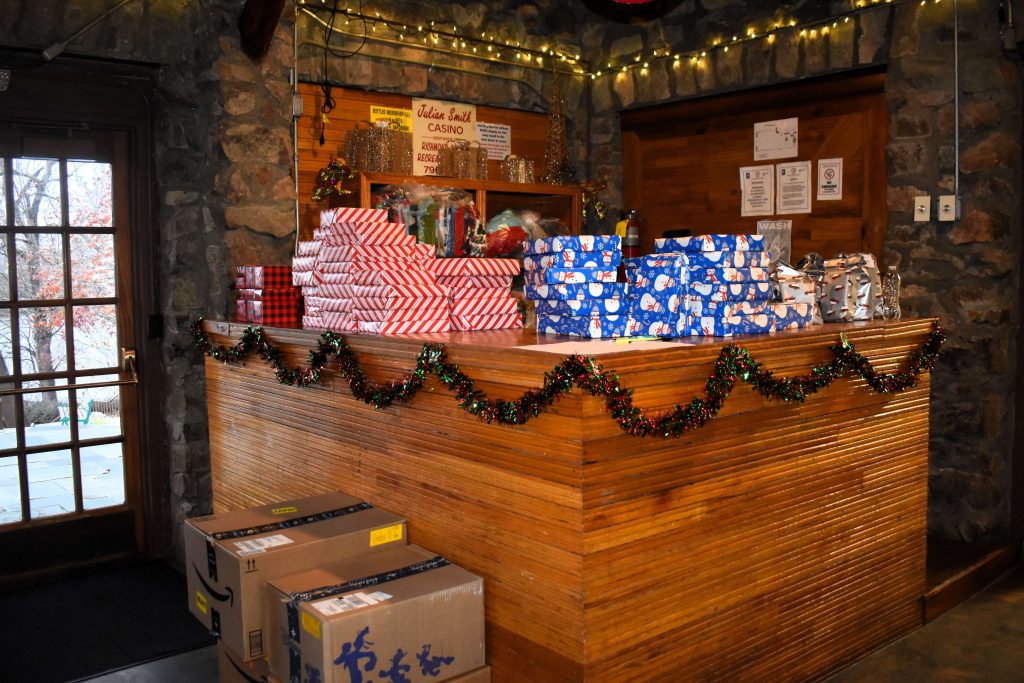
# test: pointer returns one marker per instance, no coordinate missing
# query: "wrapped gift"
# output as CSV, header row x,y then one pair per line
x,y
572,276
851,288
573,243
464,293
789,316
340,213
733,291
476,281
422,305
383,291
700,308
726,326
657,323
303,263
657,302
241,311
324,304
710,243
240,282
594,327
313,322
726,259
362,252
247,293
391,277
305,278
391,315
356,234
796,286
268,277
471,307
473,266
337,321
729,275
586,307
590,290
336,279
573,259
507,321
308,248
277,307
406,326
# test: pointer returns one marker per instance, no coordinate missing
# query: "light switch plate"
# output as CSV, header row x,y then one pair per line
x,y
922,209
949,208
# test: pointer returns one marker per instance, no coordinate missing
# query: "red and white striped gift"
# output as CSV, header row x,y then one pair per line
x,y
394,304
406,326
475,281
400,314
474,266
339,322
383,291
336,279
362,252
303,263
312,322
342,213
310,290
303,278
364,233
487,322
326,303
484,293
374,264
308,248
391,277
505,306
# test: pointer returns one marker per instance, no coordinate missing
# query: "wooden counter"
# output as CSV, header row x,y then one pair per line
x,y
777,542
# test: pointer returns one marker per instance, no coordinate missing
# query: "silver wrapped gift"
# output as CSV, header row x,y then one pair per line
x,y
851,288
795,286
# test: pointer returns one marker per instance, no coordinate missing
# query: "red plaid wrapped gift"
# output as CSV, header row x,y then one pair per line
x,y
474,266
268,277
278,307
487,322
341,213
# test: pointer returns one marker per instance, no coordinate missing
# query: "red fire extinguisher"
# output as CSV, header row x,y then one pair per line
x,y
631,241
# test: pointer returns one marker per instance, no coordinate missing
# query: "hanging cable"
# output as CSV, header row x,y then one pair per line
x,y
328,105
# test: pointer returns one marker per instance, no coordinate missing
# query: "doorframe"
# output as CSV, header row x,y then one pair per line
x,y
119,96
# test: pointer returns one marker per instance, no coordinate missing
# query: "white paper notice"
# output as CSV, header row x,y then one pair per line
x,y
496,138
757,190
830,179
775,139
778,239
793,187
434,123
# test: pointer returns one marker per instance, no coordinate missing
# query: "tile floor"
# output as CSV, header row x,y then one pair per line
x,y
980,641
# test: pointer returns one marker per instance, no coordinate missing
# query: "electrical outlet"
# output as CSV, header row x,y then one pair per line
x,y
949,208
922,209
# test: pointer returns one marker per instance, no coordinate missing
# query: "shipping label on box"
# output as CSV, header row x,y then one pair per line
x,y
573,259
710,243
337,214
402,615
474,266
573,243
572,276
733,291
727,326
229,556
590,290
586,308
594,327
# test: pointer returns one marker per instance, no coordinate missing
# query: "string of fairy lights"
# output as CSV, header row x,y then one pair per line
x,y
493,47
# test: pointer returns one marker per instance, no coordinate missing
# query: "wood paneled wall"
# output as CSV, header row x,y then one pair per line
x,y
682,161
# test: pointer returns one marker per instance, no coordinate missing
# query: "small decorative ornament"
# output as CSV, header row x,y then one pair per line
x,y
330,178
734,364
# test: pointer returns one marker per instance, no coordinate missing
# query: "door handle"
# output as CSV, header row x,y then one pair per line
x,y
129,363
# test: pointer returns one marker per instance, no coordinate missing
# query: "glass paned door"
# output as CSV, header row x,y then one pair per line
x,y
65,451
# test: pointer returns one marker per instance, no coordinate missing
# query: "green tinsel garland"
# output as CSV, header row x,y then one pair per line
x,y
734,363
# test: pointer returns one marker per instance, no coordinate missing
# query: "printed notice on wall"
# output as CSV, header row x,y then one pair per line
x,y
775,139
496,138
757,190
435,123
793,187
830,179
778,240
387,115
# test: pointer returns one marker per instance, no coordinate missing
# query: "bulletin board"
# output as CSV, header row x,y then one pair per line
x,y
682,162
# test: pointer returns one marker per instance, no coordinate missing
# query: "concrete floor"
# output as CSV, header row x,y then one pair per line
x,y
980,640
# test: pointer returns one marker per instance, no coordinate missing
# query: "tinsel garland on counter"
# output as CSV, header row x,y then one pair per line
x,y
734,364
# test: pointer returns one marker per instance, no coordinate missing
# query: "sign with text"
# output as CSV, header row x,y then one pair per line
x,y
496,138
434,123
403,117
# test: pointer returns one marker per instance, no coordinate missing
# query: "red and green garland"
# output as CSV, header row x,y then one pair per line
x,y
734,364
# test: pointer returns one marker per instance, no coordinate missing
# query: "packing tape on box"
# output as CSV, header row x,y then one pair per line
x,y
291,523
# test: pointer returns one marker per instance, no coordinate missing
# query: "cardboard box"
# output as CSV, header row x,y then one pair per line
x,y
230,556
402,611
231,668
481,675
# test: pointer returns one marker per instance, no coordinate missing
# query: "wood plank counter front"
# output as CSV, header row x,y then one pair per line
x,y
776,543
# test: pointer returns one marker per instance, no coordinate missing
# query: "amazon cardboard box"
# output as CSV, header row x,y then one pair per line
x,y
230,556
403,613
231,668
481,675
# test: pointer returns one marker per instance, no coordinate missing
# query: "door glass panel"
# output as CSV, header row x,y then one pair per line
x,y
5,276
10,490
47,416
39,258
3,191
51,483
99,409
95,337
36,185
102,475
92,266
89,194
41,338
